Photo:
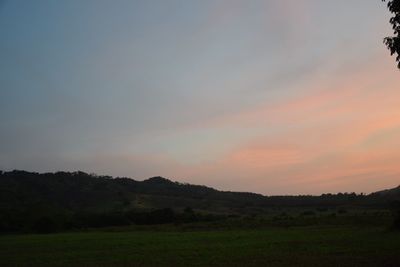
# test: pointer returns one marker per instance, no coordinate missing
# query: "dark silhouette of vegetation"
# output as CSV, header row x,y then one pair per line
x,y
45,225
308,213
49,202
393,42
396,224
396,214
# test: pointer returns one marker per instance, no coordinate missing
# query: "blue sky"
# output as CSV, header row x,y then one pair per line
x,y
199,91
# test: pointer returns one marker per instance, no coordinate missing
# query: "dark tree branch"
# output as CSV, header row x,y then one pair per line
x,y
393,42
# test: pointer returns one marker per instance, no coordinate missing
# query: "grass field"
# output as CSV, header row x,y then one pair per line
x,y
295,246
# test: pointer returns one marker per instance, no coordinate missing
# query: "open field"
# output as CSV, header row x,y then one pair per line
x,y
293,246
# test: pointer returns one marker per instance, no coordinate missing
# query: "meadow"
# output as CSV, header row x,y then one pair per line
x,y
269,246
77,219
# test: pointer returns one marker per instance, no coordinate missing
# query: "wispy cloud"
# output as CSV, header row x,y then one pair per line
x,y
269,96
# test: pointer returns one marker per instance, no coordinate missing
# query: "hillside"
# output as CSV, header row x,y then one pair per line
x,y
389,193
29,196
80,191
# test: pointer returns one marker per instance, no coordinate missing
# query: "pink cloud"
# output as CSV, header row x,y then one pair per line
x,y
317,141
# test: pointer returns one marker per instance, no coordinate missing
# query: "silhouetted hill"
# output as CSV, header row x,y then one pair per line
x,y
28,196
390,193
158,180
79,190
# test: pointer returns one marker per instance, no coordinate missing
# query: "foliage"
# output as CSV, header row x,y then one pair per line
x,y
393,43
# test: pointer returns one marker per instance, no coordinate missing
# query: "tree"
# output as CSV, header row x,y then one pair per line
x,y
393,42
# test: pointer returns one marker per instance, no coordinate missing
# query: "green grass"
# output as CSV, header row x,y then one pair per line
x,y
297,246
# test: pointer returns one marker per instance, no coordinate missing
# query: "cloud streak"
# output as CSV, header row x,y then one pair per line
x,y
276,97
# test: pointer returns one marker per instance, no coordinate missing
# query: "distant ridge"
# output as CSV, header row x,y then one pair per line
x,y
158,180
74,190
45,202
388,193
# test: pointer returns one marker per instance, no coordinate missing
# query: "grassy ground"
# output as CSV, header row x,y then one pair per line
x,y
296,246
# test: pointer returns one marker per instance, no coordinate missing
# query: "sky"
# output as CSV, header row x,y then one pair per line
x,y
276,97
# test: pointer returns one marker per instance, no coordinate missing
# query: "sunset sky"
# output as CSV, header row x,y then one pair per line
x,y
274,97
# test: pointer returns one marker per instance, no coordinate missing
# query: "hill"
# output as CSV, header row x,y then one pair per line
x,y
87,199
389,193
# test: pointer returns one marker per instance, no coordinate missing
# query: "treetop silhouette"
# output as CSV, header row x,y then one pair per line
x,y
393,42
